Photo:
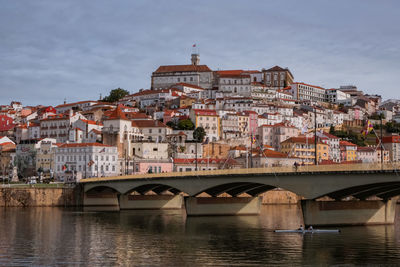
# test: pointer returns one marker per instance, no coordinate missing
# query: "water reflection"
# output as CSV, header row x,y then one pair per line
x,y
50,236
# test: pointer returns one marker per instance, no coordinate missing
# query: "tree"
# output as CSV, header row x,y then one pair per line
x,y
185,125
198,134
332,130
115,95
172,125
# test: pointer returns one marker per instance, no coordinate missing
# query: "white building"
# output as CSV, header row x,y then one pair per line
x,y
167,76
338,97
85,160
303,91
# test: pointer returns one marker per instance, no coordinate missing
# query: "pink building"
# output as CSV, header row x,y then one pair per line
x,y
153,166
253,121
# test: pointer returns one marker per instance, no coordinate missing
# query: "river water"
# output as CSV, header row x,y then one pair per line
x,y
62,237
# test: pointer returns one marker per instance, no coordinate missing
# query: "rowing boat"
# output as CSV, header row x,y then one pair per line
x,y
314,231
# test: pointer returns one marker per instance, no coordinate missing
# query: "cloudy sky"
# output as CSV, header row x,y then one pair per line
x,y
52,50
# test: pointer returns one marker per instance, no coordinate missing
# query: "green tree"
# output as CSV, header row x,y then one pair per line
x,y
172,125
198,134
332,130
185,125
115,95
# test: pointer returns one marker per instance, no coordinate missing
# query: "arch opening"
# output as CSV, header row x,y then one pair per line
x,y
154,189
363,192
237,189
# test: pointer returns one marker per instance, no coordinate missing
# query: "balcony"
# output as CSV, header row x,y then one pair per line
x,y
44,128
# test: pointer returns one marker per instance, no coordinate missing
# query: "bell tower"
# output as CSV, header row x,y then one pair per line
x,y
195,59
195,55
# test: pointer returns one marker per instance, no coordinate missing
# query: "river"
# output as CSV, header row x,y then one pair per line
x,y
57,236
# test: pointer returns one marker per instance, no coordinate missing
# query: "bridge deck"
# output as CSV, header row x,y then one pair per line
x,y
303,170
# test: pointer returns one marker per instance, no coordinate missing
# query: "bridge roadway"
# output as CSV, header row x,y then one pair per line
x,y
338,182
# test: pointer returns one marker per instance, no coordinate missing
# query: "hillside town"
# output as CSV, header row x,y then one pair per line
x,y
195,118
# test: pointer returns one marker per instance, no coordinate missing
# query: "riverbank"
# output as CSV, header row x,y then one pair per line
x,y
50,196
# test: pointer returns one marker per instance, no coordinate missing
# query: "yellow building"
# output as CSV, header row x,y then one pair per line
x,y
45,155
304,149
185,101
209,120
348,151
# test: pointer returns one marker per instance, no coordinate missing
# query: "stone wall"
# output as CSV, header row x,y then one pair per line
x,y
280,196
40,197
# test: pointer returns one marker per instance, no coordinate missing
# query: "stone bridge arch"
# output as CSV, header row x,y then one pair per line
x,y
157,188
385,191
237,188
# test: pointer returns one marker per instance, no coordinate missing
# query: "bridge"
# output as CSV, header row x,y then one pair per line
x,y
332,194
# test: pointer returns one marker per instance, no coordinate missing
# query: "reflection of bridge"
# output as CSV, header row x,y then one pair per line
x,y
360,182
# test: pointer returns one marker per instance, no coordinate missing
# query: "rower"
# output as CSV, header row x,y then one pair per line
x,y
301,228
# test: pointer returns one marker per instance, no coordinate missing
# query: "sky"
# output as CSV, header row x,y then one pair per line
x,y
76,50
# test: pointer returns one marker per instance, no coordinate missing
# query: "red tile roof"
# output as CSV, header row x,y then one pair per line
x,y
149,124
183,68
74,104
83,145
346,143
117,114
205,112
190,85
206,161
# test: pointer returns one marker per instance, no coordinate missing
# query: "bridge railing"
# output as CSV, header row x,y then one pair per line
x,y
364,167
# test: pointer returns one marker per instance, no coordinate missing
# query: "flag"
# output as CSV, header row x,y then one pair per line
x,y
64,167
103,150
368,128
194,45
253,139
90,163
205,141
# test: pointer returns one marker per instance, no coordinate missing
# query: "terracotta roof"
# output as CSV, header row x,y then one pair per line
x,y
205,112
278,125
149,123
183,68
390,139
346,143
330,136
96,131
309,85
277,68
117,114
73,104
56,117
206,161
190,85
83,145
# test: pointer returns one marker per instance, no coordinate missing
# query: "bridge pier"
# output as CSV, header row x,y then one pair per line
x,y
203,206
103,199
150,202
363,212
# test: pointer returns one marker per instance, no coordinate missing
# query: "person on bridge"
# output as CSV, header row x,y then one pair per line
x,y
301,228
310,228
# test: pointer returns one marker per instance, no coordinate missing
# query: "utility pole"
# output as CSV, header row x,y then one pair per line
x,y
196,155
381,143
251,151
315,136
